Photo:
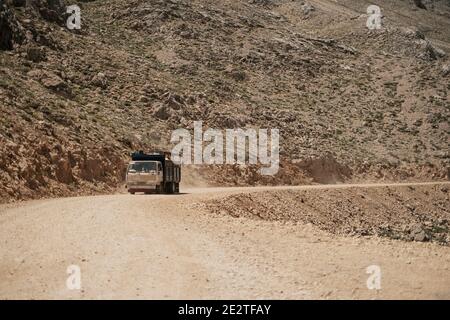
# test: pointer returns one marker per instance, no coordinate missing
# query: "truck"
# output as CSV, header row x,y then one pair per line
x,y
153,172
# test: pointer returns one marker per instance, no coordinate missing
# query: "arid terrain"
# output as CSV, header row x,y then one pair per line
x,y
166,247
364,174
352,105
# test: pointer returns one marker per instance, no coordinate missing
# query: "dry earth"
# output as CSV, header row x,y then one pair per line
x,y
161,246
419,213
351,105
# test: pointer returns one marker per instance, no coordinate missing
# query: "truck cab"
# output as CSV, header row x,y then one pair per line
x,y
153,172
144,176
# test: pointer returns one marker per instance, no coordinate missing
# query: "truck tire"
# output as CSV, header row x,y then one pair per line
x,y
170,187
177,188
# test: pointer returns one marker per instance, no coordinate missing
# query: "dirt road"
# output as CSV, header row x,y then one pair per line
x,y
160,247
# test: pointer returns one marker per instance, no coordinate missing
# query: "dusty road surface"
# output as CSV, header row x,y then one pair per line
x,y
161,247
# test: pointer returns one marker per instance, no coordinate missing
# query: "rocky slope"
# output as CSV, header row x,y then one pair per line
x,y
350,103
413,213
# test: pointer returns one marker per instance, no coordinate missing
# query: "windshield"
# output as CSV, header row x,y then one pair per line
x,y
142,167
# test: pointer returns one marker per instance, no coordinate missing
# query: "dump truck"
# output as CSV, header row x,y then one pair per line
x,y
153,172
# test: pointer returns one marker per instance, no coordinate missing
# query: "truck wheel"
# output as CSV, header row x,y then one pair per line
x,y
170,187
177,188
131,192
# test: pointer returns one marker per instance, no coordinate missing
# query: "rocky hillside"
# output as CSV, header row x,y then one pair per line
x,y
350,103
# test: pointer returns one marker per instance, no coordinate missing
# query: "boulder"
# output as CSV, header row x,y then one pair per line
x,y
35,54
53,82
162,112
419,233
100,80
446,70
11,32
307,8
50,10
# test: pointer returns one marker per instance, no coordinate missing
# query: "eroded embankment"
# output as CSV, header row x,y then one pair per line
x,y
410,213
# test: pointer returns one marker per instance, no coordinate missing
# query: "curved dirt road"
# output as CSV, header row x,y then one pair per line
x,y
160,247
